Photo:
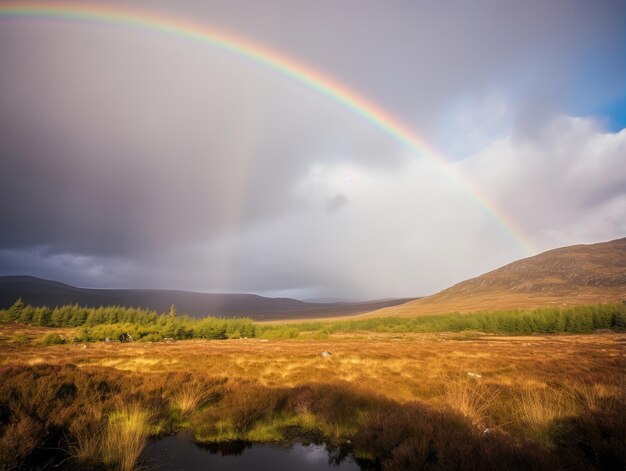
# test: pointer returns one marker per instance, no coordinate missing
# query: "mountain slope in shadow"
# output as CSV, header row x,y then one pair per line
x,y
40,292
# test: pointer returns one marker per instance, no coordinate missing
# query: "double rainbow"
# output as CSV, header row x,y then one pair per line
x,y
149,21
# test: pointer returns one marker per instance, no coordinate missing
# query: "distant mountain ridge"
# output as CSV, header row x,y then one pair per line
x,y
40,292
578,274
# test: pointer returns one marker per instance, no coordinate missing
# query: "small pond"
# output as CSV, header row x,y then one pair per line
x,y
179,452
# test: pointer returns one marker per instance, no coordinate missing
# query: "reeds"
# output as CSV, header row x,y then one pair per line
x,y
189,396
538,408
126,436
88,431
470,398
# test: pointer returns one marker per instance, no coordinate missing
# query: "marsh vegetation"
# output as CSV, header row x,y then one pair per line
x,y
393,399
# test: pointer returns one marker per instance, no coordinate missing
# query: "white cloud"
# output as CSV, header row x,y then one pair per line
x,y
567,180
415,231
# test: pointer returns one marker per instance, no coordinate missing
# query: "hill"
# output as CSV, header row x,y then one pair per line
x,y
579,274
40,292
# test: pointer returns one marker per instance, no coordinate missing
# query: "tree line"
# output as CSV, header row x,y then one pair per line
x,y
574,319
142,324
147,325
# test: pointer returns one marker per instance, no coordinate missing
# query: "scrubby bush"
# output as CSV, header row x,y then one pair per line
x,y
279,332
53,339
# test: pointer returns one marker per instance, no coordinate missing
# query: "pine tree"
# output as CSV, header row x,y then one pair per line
x,y
16,309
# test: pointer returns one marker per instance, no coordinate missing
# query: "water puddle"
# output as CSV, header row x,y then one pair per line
x,y
179,452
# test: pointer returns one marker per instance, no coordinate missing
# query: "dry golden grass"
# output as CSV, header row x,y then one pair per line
x,y
405,367
538,408
189,396
471,398
521,386
89,432
126,436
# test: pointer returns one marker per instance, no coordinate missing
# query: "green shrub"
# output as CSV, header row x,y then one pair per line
x,y
53,339
321,335
280,332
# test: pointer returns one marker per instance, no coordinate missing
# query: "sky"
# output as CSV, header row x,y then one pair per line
x,y
131,158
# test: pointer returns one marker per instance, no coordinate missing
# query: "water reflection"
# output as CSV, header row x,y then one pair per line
x,y
179,452
235,448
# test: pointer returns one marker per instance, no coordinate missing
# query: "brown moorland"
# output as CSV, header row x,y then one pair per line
x,y
403,401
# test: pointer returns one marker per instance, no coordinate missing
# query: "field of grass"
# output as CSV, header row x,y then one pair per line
x,y
398,400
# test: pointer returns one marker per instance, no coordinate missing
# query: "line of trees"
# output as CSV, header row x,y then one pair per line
x,y
142,324
575,319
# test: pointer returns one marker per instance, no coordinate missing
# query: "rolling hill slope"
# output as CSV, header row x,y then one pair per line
x,y
39,292
579,274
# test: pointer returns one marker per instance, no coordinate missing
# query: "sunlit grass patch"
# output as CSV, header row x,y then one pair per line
x,y
189,396
126,436
537,409
598,396
215,431
471,398
266,431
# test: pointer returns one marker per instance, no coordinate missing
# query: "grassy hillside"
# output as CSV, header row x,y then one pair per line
x,y
576,275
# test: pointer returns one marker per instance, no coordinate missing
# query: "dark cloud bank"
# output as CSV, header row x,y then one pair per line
x,y
129,159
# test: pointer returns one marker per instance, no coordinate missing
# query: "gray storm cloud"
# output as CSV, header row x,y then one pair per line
x,y
129,158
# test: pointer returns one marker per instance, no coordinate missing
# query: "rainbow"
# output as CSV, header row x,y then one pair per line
x,y
150,21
